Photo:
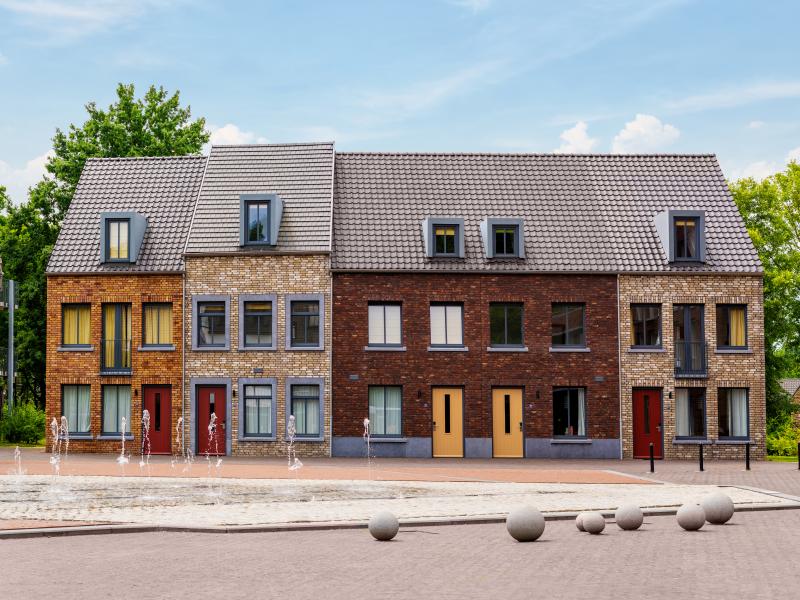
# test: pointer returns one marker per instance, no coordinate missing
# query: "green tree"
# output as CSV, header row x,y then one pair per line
x,y
154,125
771,211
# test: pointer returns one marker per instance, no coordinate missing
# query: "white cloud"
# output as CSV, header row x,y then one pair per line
x,y
736,96
230,134
755,124
17,180
474,6
793,155
758,170
645,134
576,140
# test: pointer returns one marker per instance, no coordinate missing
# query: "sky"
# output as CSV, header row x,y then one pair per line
x,y
683,76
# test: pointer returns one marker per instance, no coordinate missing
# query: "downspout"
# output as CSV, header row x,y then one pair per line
x,y
183,360
330,291
619,369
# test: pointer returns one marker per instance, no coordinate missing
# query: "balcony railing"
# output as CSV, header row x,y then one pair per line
x,y
116,356
690,359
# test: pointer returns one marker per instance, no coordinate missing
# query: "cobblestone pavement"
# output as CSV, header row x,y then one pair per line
x,y
754,557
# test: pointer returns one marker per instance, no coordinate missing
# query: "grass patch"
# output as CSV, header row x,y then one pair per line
x,y
40,444
782,458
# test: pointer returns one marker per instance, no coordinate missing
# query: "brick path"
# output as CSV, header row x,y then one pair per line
x,y
754,557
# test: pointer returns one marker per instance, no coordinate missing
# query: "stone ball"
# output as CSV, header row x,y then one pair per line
x,y
579,521
525,524
629,517
593,522
384,526
718,508
691,517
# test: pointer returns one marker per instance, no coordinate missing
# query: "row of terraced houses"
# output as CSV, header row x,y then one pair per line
x,y
468,305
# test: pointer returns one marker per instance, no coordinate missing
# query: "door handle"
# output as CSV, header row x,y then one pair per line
x,y
434,425
520,425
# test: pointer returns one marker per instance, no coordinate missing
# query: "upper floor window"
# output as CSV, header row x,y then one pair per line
x,y
446,325
505,324
117,235
506,240
731,326
385,324
211,330
687,238
76,324
646,325
116,337
258,323
257,221
567,324
445,240
157,324
305,321
260,219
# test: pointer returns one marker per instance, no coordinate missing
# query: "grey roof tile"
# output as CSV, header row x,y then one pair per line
x,y
790,385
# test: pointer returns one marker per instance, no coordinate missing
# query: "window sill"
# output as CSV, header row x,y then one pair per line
x,y
258,348
211,348
690,441
733,351
244,439
116,372
305,348
384,348
388,440
642,350
76,436
733,441
75,349
448,349
308,439
570,441
558,349
507,349
155,348
114,437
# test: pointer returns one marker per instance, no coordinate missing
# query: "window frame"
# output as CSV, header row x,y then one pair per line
x,y
660,344
242,383
244,299
446,304
386,435
291,298
274,215
565,345
74,433
76,305
456,233
146,305
318,381
705,413
726,307
429,226
697,237
267,203
384,304
745,437
515,251
118,321
575,436
506,305
203,299
108,222
116,433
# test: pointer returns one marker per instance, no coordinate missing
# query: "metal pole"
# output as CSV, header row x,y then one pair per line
x,y
700,446
747,457
652,459
798,456
11,367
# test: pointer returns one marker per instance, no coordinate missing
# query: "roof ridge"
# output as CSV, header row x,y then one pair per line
x,y
144,158
273,145
548,154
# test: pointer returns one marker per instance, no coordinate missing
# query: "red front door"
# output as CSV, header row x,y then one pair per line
x,y
158,402
647,424
211,400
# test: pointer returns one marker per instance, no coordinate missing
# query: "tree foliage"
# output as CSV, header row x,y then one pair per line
x,y
153,125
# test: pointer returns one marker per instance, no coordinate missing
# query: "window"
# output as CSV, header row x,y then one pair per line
x,y
75,406
157,324
687,238
117,337
646,325
505,240
567,325
690,412
257,411
385,325
257,221
733,413
385,414
569,412
731,326
258,323
505,324
304,323
76,324
446,325
116,405
305,408
445,238
211,331
117,247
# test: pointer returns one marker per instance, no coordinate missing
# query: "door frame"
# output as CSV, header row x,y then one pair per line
x,y
162,386
491,409
660,391
463,418
196,382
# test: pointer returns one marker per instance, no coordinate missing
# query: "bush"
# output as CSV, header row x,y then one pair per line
x,y
23,426
782,436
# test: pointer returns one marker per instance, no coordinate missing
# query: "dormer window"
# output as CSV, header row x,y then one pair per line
x,y
505,240
117,235
503,237
121,236
686,238
260,219
682,234
443,237
257,221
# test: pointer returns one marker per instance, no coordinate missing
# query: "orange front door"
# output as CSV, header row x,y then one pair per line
x,y
448,422
211,399
158,402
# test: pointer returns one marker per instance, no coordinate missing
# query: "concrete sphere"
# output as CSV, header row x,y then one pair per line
x,y
579,521
691,517
525,524
629,517
593,522
718,508
383,526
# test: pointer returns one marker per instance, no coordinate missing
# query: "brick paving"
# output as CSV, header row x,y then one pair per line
x,y
753,557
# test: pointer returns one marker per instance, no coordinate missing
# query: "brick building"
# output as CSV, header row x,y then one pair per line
x,y
115,302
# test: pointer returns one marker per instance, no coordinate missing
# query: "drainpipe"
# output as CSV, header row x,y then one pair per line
x,y
183,360
619,370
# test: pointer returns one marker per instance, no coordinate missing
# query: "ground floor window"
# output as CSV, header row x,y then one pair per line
x,y
75,406
258,410
116,405
385,410
305,408
690,412
732,409
569,412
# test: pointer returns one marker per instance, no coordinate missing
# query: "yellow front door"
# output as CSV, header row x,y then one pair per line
x,y
507,423
448,422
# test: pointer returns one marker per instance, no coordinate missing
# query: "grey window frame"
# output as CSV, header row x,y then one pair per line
x,y
244,298
107,239
727,307
289,299
319,381
430,324
515,251
660,325
203,298
697,238
103,388
384,304
505,306
429,226
145,305
747,409
583,324
247,203
242,383
71,432
387,435
118,351
76,304
705,413
585,411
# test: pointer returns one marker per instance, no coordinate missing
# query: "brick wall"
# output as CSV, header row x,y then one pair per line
x,y
656,369
147,367
279,275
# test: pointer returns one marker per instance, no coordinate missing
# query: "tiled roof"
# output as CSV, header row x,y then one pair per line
x,y
301,174
586,213
163,190
790,385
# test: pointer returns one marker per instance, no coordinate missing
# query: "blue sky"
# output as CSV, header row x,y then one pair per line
x,y
428,75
